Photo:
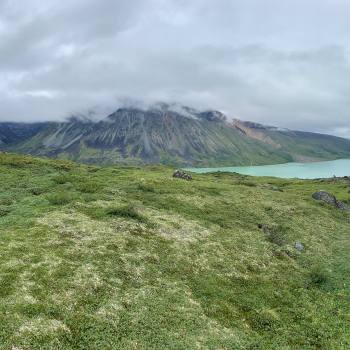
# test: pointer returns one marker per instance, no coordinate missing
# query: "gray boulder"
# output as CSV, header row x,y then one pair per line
x,y
325,197
330,199
182,175
343,206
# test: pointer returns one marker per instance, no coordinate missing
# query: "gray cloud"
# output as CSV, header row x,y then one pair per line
x,y
278,62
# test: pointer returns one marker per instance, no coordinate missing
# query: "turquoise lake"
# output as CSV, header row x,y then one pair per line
x,y
315,170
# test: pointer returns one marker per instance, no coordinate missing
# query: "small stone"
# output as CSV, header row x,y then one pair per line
x,y
299,246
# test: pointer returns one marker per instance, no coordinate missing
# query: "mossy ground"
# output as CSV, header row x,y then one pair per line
x,y
130,258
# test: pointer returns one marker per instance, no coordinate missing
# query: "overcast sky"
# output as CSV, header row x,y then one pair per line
x,y
281,62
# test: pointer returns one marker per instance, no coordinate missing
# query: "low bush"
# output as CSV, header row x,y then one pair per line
x,y
63,165
276,237
263,320
96,213
319,277
275,234
6,200
60,198
4,210
246,183
146,188
127,211
36,191
90,197
61,179
88,187
17,161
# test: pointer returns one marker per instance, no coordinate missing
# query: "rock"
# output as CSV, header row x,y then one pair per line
x,y
299,246
325,197
288,253
182,175
342,206
264,227
330,199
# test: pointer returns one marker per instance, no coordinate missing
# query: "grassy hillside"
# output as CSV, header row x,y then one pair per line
x,y
130,258
299,145
307,145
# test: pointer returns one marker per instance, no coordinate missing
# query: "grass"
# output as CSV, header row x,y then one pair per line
x,y
130,258
61,179
4,210
88,187
128,211
60,198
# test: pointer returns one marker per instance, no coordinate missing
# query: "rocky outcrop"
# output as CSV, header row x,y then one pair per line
x,y
330,199
325,197
182,175
343,206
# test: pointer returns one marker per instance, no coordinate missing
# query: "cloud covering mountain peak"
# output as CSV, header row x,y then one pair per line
x,y
281,63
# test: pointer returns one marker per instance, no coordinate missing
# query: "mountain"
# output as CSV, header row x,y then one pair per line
x,y
169,135
12,133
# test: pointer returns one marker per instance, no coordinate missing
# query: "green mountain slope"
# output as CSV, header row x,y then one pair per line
x,y
301,145
131,258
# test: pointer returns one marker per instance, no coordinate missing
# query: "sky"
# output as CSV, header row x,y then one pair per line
x,y
283,63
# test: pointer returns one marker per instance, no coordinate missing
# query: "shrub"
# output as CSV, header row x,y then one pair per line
x,y
93,169
89,197
88,187
262,322
64,165
94,212
276,237
275,234
319,277
4,211
36,191
127,211
60,198
146,188
246,183
6,200
17,161
61,179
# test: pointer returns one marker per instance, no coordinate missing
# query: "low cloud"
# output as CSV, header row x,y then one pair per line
x,y
281,63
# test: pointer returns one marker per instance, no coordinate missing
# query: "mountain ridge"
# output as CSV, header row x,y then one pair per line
x,y
164,134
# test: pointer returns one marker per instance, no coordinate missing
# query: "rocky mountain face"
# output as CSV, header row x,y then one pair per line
x,y
12,133
181,136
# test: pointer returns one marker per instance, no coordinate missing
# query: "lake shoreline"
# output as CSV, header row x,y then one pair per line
x,y
338,168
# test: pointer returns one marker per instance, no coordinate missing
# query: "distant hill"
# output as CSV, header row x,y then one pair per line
x,y
180,136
